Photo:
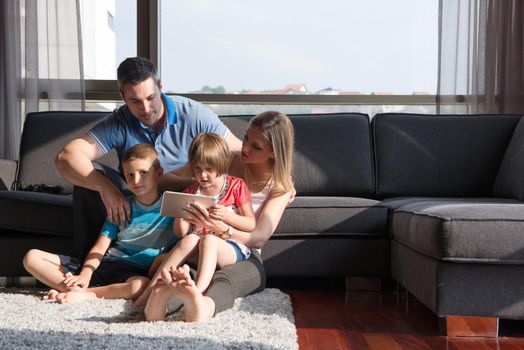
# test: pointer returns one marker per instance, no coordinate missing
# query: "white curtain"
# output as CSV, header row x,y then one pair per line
x,y
41,63
481,56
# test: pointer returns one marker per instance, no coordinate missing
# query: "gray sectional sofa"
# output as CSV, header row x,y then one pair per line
x,y
435,202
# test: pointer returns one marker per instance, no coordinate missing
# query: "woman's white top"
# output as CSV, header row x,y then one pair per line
x,y
259,198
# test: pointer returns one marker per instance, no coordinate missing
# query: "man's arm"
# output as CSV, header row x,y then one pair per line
x,y
75,163
177,180
234,144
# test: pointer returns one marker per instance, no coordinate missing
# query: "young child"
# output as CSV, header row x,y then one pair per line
x,y
209,159
117,265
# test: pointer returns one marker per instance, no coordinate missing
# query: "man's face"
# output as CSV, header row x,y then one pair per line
x,y
144,101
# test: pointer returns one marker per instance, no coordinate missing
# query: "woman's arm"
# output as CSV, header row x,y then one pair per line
x,y
267,222
245,220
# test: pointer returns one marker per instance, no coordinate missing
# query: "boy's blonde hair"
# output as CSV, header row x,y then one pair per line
x,y
211,149
278,130
142,151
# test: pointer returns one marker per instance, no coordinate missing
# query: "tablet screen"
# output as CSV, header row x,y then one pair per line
x,y
173,203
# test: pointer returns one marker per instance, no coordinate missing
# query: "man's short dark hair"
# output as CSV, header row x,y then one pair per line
x,y
134,70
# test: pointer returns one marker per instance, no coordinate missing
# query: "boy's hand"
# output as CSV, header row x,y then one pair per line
x,y
75,281
219,212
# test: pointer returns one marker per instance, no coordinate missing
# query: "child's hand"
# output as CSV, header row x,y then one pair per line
x,y
166,274
219,212
71,280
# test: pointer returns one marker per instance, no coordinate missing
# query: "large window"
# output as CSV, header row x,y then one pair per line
x,y
247,56
296,47
108,35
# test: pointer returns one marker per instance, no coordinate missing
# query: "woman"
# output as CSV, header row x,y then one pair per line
x,y
265,164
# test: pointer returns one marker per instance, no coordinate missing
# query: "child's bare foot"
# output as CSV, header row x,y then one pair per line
x,y
197,307
75,296
156,307
51,295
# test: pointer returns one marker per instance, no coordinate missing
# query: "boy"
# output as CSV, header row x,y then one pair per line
x,y
117,270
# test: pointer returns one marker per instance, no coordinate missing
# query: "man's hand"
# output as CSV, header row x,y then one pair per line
x,y
117,206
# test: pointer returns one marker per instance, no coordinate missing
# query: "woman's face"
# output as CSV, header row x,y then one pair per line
x,y
255,147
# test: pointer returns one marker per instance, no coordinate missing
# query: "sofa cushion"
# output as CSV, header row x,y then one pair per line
x,y
44,135
333,154
510,177
333,216
429,155
398,202
463,230
32,212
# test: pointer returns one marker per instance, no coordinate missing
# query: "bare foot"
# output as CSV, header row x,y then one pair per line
x,y
156,307
197,307
75,296
165,276
51,295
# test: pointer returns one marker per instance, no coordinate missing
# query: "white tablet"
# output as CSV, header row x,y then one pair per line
x,y
173,203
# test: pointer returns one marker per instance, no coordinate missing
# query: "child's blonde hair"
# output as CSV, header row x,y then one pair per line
x,y
211,149
142,151
278,130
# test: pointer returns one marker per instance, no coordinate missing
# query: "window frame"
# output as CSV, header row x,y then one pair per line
x,y
148,38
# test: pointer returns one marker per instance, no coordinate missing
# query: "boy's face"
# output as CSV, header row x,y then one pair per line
x,y
207,176
141,176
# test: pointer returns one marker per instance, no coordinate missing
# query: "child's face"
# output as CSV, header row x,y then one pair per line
x,y
141,176
207,176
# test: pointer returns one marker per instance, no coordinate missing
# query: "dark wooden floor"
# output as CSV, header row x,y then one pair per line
x,y
330,319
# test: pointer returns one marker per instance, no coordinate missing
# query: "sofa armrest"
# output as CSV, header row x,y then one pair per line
x,y
7,173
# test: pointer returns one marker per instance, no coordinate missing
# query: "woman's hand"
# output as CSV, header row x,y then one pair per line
x,y
199,216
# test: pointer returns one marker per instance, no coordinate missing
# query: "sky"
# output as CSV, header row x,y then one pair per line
x,y
366,46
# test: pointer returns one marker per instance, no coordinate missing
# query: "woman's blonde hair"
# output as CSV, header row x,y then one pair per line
x,y
210,149
278,130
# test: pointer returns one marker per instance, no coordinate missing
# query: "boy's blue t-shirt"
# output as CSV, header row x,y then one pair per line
x,y
185,119
144,238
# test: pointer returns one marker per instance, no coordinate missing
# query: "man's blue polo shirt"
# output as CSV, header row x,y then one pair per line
x,y
185,119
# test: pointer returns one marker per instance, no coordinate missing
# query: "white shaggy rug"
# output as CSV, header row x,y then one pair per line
x,y
260,321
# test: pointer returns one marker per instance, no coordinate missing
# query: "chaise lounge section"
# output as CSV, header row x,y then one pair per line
x,y
457,220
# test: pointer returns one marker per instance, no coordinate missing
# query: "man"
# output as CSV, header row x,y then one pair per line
x,y
149,116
